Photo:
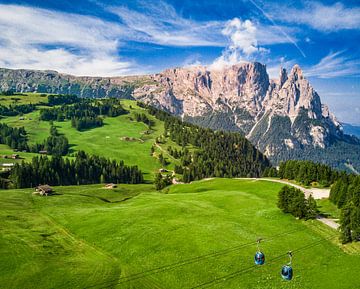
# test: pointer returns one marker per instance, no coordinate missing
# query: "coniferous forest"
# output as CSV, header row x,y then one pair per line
x,y
83,113
219,153
293,201
13,137
345,193
85,169
307,172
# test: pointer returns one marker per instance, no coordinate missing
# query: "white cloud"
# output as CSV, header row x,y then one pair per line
x,y
35,38
319,16
242,35
42,39
243,43
160,24
335,64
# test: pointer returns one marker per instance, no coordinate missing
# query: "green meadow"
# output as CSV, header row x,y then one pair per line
x,y
120,138
200,234
23,98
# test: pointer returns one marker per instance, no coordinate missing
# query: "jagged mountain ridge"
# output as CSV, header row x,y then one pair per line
x,y
284,118
250,99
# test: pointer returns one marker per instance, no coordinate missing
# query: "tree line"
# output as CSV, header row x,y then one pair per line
x,y
55,144
292,200
142,117
16,138
19,109
59,99
84,169
218,153
345,194
85,113
306,172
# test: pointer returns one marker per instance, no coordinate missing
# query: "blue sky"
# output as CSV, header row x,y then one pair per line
x,y
109,38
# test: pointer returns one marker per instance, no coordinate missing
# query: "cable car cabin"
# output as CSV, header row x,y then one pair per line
x,y
44,190
287,272
259,258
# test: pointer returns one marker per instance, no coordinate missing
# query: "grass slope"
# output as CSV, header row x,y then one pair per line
x,y
23,98
78,239
108,141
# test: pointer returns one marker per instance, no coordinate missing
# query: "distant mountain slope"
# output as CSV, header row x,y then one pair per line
x,y
22,80
351,129
284,118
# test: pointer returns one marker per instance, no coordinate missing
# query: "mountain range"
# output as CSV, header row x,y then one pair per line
x,y
284,118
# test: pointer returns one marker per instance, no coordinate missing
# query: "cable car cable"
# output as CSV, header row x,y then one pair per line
x,y
245,270
184,262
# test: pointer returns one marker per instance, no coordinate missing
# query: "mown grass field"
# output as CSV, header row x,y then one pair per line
x,y
90,237
111,140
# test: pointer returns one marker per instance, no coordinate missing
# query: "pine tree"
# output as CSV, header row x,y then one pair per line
x,y
312,210
345,224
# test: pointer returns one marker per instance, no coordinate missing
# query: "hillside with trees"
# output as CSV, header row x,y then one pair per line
x,y
84,169
217,153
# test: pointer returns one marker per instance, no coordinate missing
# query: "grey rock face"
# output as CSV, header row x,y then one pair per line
x,y
250,100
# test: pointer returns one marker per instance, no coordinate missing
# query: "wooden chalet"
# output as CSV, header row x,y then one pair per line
x,y
44,190
110,186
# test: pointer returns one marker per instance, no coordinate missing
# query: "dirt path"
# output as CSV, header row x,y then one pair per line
x,y
315,192
329,222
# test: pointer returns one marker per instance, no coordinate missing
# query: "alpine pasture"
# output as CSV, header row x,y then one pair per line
x,y
197,235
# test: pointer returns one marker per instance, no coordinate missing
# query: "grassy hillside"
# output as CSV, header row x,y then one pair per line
x,y
23,98
90,237
120,138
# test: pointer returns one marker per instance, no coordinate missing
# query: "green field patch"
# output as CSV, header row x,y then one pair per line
x,y
23,98
328,209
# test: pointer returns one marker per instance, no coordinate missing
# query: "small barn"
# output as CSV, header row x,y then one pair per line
x,y
44,190
110,186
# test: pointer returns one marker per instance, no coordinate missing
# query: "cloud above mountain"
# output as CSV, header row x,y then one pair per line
x,y
38,38
243,43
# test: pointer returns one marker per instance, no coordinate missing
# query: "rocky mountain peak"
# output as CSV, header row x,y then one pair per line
x,y
296,72
282,76
292,94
